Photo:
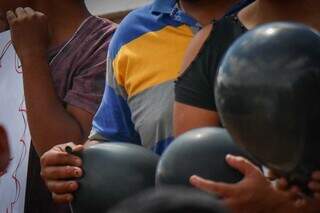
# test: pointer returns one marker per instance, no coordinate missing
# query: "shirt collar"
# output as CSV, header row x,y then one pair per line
x,y
163,6
170,7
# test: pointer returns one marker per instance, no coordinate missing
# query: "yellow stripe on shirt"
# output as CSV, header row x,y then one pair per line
x,y
160,51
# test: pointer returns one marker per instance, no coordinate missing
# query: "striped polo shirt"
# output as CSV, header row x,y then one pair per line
x,y
144,59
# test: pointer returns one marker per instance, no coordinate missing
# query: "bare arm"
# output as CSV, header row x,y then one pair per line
x,y
50,123
188,117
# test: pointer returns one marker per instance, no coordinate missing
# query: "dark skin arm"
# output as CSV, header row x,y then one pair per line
x,y
50,122
188,117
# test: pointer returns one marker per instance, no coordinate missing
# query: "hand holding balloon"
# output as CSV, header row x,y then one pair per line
x,y
254,192
267,97
113,171
59,170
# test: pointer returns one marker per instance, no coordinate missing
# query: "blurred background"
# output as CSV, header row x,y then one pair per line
x,y
114,9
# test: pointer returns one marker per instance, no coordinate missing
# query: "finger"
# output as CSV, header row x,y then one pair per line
x,y
282,184
222,189
242,165
39,13
72,145
62,199
316,176
61,173
314,186
20,12
11,16
54,158
300,203
29,11
62,187
271,175
295,190
78,148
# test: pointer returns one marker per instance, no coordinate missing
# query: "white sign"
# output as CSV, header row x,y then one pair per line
x,y
13,118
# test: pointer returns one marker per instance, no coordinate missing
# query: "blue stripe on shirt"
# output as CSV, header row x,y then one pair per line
x,y
113,119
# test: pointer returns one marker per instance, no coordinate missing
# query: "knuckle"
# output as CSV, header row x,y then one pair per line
x,y
44,173
56,198
43,160
61,198
69,170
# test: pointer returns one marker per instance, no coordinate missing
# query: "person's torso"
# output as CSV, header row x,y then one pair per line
x,y
71,58
153,61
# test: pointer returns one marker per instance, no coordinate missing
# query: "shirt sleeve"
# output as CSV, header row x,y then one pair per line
x,y
113,120
195,86
88,81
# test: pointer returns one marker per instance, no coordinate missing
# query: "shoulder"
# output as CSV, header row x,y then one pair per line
x,y
134,25
100,27
195,46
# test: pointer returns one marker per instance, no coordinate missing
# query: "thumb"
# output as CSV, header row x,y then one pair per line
x,y
242,165
221,189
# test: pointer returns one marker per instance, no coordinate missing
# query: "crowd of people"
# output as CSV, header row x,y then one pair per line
x,y
145,81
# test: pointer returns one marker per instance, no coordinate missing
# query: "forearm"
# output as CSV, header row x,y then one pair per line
x,y
50,123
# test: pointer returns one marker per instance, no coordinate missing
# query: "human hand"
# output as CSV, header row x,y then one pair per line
x,y
314,184
253,194
304,202
59,170
29,32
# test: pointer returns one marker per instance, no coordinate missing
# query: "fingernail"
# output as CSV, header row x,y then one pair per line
x,y
311,185
229,157
73,186
77,173
194,179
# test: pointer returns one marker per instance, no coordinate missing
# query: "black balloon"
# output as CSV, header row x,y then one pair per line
x,y
199,152
267,95
113,172
171,200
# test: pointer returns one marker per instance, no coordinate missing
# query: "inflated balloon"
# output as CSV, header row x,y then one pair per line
x,y
113,172
171,199
267,95
199,152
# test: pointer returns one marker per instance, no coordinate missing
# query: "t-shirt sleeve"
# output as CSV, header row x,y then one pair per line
x,y
112,121
88,81
195,86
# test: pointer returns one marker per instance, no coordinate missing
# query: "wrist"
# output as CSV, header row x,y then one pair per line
x,y
33,57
